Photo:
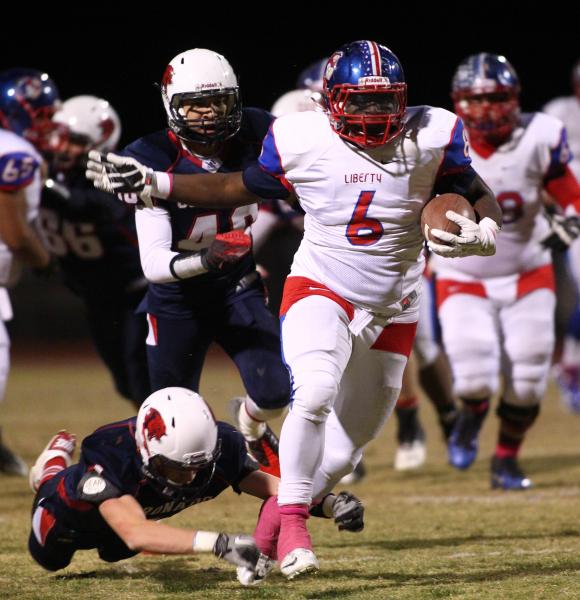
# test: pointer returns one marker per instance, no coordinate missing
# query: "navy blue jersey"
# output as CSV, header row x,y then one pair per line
x,y
195,228
93,237
112,451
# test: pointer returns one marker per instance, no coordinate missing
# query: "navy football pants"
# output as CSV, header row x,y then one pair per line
x,y
119,336
248,333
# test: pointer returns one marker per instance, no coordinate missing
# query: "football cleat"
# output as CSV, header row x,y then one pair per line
x,y
507,475
357,475
10,463
265,448
411,452
463,444
410,455
61,445
298,562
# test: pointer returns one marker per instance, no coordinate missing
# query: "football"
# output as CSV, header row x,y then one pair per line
x,y
433,214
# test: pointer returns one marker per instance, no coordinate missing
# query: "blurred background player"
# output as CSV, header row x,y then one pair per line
x,y
132,473
204,286
28,99
567,109
497,314
93,238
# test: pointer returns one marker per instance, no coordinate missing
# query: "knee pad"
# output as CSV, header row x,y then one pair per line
x,y
314,398
526,383
474,376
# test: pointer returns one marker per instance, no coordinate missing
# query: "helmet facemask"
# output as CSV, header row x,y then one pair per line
x,y
488,116
205,117
177,479
369,116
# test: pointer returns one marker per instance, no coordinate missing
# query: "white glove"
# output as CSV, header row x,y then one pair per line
x,y
123,176
474,239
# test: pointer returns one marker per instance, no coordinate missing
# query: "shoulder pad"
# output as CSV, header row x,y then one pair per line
x,y
94,488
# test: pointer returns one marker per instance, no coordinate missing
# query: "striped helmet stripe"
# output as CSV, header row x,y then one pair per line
x,y
375,58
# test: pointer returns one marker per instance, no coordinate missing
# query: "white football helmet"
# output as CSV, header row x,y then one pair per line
x,y
177,437
204,78
91,118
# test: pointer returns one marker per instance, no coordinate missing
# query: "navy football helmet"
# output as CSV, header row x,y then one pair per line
x,y
485,90
365,93
28,99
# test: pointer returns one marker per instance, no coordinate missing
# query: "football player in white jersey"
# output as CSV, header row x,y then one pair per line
x,y
567,109
27,100
362,171
497,314
433,371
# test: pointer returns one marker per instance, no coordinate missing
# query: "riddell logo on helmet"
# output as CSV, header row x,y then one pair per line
x,y
154,425
209,86
372,81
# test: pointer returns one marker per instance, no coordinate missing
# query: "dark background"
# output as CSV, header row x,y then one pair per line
x,y
119,51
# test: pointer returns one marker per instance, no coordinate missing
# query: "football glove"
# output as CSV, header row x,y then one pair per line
x,y
563,231
474,239
258,574
239,550
227,248
126,177
345,508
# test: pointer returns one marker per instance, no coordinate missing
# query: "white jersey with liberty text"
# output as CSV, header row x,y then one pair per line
x,y
362,237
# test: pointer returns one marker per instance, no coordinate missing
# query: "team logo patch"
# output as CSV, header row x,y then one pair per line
x,y
167,78
31,87
154,425
106,126
331,64
94,486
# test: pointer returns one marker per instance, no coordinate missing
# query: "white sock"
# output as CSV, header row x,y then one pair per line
x,y
251,418
301,447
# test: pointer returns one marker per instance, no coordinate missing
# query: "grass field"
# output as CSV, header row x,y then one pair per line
x,y
435,533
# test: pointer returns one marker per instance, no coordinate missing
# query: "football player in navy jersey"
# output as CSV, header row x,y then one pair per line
x,y
204,286
94,241
134,472
28,98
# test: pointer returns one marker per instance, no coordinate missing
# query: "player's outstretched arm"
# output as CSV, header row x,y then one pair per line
x,y
127,519
260,484
128,178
